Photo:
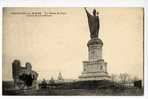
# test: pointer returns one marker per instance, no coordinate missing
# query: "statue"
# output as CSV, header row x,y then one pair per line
x,y
94,25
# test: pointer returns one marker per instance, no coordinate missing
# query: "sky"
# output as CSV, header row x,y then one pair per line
x,y
58,42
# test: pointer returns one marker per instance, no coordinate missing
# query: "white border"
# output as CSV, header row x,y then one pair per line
x,y
71,3
81,3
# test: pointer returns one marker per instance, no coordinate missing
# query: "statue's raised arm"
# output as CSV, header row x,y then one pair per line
x,y
88,14
94,25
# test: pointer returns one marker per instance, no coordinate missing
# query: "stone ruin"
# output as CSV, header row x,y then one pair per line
x,y
24,77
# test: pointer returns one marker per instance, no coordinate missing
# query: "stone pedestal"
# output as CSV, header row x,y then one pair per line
x,y
95,68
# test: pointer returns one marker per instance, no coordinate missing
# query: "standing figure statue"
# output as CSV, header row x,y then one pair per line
x,y
94,24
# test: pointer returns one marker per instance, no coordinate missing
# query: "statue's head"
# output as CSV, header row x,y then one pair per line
x,y
97,13
94,12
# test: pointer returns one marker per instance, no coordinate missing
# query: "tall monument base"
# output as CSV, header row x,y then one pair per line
x,y
94,70
96,67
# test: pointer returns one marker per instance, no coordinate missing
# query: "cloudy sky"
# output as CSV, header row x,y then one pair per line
x,y
58,42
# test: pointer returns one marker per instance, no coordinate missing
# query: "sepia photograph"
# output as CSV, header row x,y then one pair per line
x,y
73,51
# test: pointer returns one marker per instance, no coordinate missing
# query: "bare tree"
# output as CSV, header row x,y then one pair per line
x,y
124,77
